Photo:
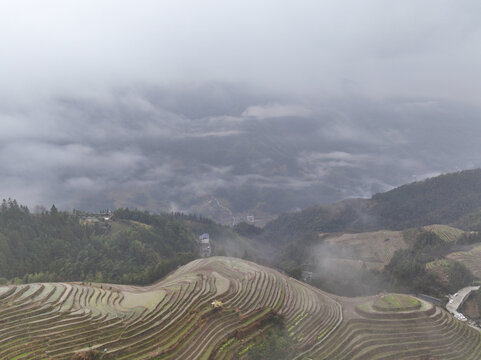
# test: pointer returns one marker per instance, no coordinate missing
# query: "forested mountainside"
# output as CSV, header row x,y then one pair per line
x,y
131,247
453,198
138,247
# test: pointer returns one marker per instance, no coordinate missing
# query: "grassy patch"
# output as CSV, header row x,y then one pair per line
x,y
396,302
226,344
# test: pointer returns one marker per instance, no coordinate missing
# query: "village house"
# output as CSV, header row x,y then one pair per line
x,y
204,245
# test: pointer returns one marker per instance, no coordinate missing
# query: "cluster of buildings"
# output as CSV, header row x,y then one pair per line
x,y
92,218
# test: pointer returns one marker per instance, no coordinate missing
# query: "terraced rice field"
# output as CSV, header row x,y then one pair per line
x,y
369,247
333,265
172,319
445,232
469,258
426,332
440,268
375,249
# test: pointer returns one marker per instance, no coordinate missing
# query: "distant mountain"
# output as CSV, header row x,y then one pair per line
x,y
229,152
453,198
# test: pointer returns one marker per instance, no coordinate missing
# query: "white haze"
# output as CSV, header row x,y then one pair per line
x,y
268,106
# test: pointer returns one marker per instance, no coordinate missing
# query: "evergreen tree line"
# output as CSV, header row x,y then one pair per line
x,y
135,247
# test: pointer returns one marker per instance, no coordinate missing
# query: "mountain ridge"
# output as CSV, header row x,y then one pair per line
x,y
445,199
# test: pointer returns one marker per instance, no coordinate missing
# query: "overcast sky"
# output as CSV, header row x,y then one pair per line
x,y
375,48
159,104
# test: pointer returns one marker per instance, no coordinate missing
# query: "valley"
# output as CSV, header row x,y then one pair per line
x,y
240,180
352,304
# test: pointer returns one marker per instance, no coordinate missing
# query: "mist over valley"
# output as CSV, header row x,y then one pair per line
x,y
225,180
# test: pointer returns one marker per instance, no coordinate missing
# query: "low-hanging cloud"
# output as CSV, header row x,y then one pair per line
x,y
269,111
375,48
233,108
147,148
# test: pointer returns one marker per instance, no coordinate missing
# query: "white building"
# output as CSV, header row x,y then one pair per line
x,y
204,245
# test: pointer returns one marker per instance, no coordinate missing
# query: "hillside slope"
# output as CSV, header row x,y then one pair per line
x,y
378,247
130,247
175,319
471,258
409,329
353,264
446,199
